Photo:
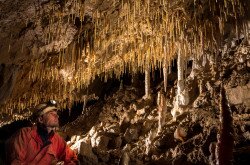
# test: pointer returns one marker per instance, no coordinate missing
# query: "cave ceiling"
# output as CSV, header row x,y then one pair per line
x,y
54,49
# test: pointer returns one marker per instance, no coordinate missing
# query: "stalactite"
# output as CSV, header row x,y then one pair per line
x,y
141,24
180,72
165,71
224,148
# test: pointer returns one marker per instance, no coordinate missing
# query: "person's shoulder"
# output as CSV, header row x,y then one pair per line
x,y
26,129
57,139
23,130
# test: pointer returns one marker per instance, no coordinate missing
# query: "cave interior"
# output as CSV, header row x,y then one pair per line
x,y
137,82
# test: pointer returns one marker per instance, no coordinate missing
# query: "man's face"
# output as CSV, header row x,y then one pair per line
x,y
50,119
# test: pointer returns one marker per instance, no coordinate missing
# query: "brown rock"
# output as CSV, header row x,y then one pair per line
x,y
86,150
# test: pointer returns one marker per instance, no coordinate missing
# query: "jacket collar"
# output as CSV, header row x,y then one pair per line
x,y
35,135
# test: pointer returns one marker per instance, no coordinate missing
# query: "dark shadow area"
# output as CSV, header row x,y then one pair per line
x,y
242,159
5,133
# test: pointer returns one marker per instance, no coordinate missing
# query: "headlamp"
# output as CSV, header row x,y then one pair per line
x,y
46,107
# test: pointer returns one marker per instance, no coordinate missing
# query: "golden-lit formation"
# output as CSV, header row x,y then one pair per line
x,y
116,36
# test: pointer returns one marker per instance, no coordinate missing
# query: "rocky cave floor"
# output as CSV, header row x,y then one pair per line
x,y
126,131
123,128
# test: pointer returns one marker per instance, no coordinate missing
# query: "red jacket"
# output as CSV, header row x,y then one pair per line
x,y
26,148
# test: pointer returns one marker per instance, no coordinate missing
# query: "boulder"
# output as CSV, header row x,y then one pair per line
x,y
238,95
86,151
102,142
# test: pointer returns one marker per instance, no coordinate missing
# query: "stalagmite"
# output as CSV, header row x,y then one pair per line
x,y
85,100
147,83
182,97
162,109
